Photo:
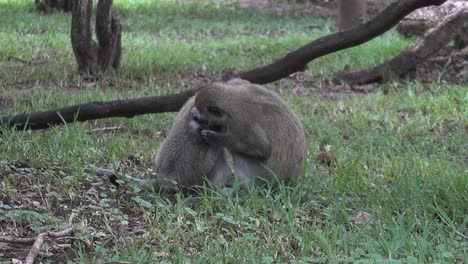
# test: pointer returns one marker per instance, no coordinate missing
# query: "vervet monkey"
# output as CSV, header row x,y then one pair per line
x,y
184,159
184,156
265,137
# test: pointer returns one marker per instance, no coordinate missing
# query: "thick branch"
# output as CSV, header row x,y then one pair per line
x,y
96,110
434,40
292,62
297,60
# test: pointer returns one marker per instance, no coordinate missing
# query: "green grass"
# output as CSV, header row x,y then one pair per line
x,y
170,36
400,157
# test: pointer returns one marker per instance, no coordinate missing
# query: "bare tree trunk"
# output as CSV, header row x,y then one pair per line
x,y
83,45
351,13
108,31
91,57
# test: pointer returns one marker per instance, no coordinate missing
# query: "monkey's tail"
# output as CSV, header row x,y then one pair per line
x,y
158,184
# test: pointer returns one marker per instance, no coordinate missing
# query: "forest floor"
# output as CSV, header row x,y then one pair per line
x,y
395,191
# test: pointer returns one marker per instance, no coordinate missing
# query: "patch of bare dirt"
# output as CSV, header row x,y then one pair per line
x,y
38,200
284,8
296,8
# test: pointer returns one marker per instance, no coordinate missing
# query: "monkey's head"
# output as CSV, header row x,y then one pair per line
x,y
231,106
211,106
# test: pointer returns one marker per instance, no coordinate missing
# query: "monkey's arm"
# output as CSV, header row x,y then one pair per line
x,y
256,145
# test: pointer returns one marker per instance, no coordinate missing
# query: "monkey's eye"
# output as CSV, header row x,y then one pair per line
x,y
214,110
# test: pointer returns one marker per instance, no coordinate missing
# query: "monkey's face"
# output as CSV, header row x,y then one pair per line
x,y
211,117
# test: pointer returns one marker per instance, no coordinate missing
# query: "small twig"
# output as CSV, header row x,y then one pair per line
x,y
85,241
36,247
109,129
11,58
31,62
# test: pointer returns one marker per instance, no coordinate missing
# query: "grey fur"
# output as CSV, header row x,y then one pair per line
x,y
263,134
184,157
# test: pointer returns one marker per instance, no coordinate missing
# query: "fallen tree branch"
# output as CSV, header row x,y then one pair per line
x,y
17,240
292,62
39,239
433,40
97,110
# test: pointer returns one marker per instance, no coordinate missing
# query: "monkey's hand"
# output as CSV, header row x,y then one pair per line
x,y
258,149
195,125
195,114
215,138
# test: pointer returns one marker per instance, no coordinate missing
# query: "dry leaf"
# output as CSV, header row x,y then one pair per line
x,y
363,218
161,254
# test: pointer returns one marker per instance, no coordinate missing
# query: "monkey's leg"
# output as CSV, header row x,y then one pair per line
x,y
247,170
221,173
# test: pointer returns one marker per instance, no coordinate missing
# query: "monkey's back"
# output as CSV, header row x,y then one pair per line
x,y
289,147
266,109
287,138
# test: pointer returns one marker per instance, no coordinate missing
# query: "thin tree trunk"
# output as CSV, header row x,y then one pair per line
x,y
91,57
83,45
108,33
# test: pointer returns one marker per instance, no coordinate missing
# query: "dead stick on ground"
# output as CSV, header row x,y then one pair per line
x,y
39,240
10,58
18,240
36,247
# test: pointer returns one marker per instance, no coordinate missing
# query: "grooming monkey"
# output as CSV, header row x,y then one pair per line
x,y
265,137
184,159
